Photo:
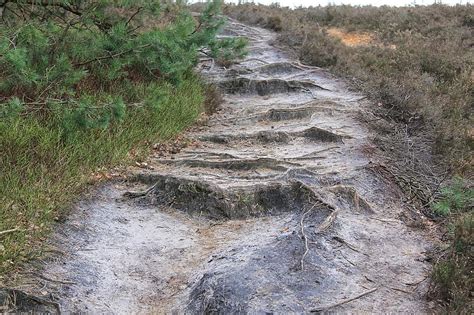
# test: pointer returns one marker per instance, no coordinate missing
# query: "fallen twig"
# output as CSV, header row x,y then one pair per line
x,y
386,220
357,99
313,154
299,64
416,283
401,290
347,259
324,308
9,231
255,59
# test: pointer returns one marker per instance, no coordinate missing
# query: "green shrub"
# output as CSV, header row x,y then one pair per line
x,y
454,199
453,274
87,85
40,173
70,57
320,50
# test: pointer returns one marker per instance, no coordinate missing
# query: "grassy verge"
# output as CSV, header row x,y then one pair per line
x,y
40,173
453,280
416,63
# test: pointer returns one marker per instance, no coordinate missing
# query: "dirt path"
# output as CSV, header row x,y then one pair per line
x,y
276,207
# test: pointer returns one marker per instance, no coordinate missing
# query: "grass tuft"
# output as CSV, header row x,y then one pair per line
x,y
41,171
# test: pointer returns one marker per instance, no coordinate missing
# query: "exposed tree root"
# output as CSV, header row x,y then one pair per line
x,y
305,237
137,194
16,301
325,308
328,222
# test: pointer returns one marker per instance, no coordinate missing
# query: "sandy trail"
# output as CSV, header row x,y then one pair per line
x,y
277,207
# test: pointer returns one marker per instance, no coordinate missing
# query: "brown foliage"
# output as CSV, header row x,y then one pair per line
x,y
213,99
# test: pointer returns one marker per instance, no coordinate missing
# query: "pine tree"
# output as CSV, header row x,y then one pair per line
x,y
74,59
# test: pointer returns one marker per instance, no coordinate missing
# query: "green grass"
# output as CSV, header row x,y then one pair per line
x,y
42,171
68,110
454,198
453,280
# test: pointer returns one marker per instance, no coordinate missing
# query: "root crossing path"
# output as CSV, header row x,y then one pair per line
x,y
275,207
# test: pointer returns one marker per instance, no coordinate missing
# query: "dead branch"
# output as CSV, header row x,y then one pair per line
x,y
325,308
2,8
431,198
110,56
47,3
202,51
133,15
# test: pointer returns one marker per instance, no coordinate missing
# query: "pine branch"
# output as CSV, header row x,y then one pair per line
x,y
110,56
46,3
133,15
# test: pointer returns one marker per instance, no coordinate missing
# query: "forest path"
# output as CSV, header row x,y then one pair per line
x,y
278,205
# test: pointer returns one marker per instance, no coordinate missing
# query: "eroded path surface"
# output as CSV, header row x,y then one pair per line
x,y
276,207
